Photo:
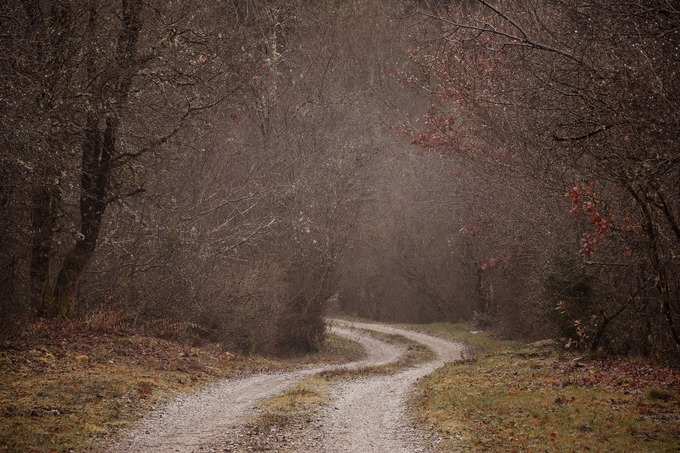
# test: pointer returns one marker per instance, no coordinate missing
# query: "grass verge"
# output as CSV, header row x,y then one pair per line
x,y
518,397
69,391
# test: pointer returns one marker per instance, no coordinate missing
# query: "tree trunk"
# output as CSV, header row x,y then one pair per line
x,y
602,328
482,301
43,218
660,268
9,238
97,149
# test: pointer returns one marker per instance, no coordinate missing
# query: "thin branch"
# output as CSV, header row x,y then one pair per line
x,y
215,208
250,236
164,139
597,131
510,21
126,195
524,39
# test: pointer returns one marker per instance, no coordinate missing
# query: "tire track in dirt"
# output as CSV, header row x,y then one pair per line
x,y
194,422
370,414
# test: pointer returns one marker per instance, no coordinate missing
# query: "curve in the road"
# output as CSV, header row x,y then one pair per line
x,y
370,415
194,421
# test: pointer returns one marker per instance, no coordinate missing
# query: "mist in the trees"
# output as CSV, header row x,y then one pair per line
x,y
226,168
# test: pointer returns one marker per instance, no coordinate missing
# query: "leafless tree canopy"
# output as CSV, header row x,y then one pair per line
x,y
231,167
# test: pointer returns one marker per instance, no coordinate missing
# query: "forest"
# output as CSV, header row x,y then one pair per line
x,y
234,172
231,175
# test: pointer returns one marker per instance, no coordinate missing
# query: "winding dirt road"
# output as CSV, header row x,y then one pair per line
x,y
365,415
369,415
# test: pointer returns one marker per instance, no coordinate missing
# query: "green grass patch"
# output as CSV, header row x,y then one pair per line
x,y
481,342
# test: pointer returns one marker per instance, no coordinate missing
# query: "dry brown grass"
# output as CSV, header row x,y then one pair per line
x,y
522,398
68,385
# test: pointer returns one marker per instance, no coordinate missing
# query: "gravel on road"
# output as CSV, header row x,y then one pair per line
x,y
194,422
370,414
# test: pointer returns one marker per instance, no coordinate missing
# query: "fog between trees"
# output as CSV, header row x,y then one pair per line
x,y
220,170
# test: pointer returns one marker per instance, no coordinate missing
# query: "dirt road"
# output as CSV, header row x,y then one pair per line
x,y
366,415
369,415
